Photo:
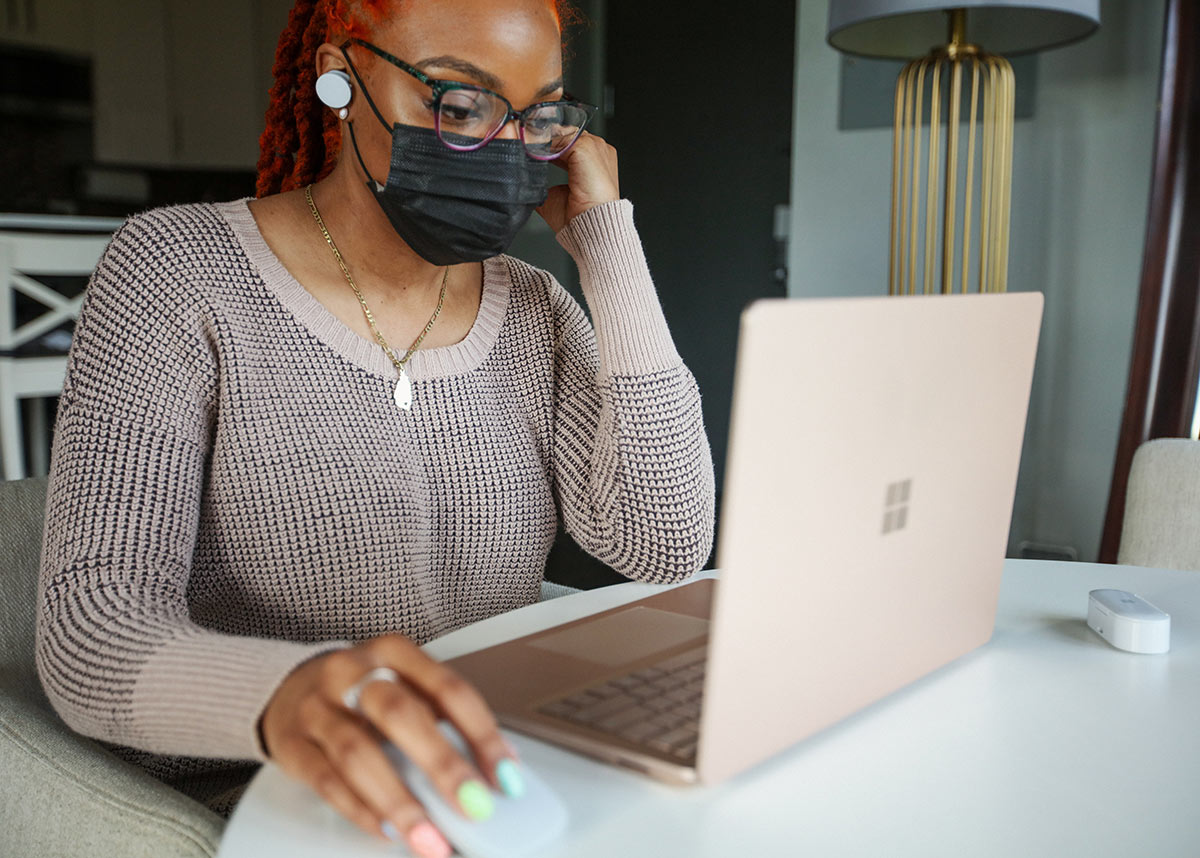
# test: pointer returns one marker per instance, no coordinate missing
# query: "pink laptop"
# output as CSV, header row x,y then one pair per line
x,y
868,493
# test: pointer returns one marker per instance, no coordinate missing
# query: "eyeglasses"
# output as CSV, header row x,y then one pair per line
x,y
466,117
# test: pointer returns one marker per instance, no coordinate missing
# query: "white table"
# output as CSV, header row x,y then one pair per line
x,y
1044,742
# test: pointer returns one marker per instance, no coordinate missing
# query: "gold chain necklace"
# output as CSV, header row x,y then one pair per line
x,y
403,394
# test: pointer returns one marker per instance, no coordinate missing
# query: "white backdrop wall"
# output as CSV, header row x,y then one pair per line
x,y
1082,167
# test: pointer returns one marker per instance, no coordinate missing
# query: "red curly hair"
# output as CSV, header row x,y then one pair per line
x,y
301,141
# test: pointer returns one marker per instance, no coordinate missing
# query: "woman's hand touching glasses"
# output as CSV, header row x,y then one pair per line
x,y
591,166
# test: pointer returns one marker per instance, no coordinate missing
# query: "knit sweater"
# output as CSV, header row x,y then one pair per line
x,y
233,489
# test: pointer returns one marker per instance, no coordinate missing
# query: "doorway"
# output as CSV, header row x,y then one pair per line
x,y
697,99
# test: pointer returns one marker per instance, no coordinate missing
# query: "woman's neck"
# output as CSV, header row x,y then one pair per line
x,y
368,242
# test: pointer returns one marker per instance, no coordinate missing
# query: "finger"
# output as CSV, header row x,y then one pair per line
x,y
563,161
450,694
306,762
403,715
591,176
596,150
456,700
356,753
341,670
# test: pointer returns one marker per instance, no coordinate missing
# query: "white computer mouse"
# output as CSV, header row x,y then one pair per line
x,y
518,827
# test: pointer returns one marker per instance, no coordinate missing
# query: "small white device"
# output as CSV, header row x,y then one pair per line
x,y
333,88
1129,622
518,827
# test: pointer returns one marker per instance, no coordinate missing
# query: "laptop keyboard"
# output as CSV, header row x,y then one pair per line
x,y
657,707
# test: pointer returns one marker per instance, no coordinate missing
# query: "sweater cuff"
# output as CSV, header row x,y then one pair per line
x,y
205,692
631,332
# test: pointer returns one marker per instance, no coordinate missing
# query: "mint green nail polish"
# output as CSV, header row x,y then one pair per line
x,y
475,800
510,779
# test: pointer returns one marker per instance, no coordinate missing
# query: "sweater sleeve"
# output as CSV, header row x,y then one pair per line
x,y
633,468
118,656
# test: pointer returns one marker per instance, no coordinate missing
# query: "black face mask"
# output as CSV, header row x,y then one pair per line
x,y
452,206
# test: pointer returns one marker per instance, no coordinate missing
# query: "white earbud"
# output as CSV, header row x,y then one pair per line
x,y
333,88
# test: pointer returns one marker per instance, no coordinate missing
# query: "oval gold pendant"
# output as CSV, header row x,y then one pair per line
x,y
403,392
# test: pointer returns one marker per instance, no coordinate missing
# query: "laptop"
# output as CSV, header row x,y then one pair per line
x,y
873,457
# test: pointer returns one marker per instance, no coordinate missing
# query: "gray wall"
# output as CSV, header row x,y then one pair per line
x,y
1081,179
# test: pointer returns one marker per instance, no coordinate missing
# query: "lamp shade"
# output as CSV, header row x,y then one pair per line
x,y
904,29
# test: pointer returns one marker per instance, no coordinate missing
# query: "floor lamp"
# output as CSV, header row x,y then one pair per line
x,y
951,185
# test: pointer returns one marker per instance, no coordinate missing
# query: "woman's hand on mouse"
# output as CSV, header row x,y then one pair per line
x,y
591,166
311,733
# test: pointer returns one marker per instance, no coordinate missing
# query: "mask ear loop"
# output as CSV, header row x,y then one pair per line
x,y
363,87
350,124
354,142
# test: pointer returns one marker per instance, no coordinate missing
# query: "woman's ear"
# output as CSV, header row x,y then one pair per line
x,y
333,83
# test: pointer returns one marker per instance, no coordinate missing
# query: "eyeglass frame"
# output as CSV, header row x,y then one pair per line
x,y
440,87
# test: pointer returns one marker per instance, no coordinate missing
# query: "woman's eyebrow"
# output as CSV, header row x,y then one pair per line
x,y
485,78
549,88
460,65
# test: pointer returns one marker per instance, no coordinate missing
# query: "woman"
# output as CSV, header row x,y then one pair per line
x,y
302,435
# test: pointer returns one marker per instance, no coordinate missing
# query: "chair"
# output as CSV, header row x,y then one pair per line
x,y
41,290
60,793
1162,506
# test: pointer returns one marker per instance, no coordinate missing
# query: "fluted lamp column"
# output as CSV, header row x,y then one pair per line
x,y
951,186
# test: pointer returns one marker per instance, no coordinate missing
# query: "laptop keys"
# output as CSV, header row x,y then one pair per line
x,y
686,751
641,732
558,709
601,709
677,738
657,707
618,721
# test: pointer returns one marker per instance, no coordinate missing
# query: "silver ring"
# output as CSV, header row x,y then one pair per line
x,y
352,696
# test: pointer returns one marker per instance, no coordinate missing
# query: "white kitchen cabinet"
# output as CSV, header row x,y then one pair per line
x,y
131,85
214,63
177,83
188,94
58,25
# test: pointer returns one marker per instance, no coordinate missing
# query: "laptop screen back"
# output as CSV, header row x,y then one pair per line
x,y
873,461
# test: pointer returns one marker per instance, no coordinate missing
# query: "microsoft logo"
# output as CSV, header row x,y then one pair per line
x,y
895,506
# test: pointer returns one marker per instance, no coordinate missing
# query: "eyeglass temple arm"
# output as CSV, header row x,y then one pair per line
x,y
363,86
396,61
428,81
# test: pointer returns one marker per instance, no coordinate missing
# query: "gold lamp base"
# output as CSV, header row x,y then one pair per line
x,y
939,213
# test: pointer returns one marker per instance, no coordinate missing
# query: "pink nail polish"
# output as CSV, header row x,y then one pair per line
x,y
428,842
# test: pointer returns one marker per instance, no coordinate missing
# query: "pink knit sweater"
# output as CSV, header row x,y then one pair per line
x,y
233,489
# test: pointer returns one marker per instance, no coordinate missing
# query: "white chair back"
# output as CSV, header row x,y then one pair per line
x,y
1161,528
26,261
25,257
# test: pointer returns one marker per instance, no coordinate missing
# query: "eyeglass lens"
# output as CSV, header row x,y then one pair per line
x,y
467,118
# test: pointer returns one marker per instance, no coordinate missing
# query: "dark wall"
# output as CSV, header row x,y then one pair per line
x,y
701,97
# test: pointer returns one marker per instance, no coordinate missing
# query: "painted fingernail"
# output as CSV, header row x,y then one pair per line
x,y
390,831
475,800
509,778
428,842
